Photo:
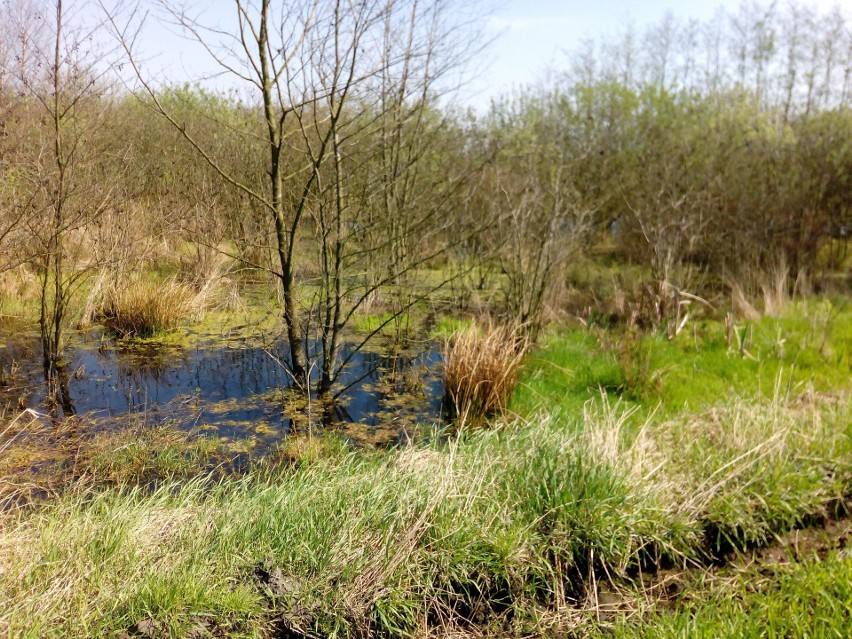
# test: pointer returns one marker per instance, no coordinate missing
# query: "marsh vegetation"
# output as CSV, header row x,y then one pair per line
x,y
323,355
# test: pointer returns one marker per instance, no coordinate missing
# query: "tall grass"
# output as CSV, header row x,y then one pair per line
x,y
143,308
774,287
18,287
505,527
481,368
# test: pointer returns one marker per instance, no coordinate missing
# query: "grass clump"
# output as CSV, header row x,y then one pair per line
x,y
752,470
145,454
144,308
308,448
480,372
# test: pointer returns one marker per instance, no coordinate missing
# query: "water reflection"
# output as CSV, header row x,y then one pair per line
x,y
234,390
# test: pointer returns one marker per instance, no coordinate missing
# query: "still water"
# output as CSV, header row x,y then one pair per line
x,y
235,388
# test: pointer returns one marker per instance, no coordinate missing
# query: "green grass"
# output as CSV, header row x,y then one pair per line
x,y
493,528
145,454
803,599
564,372
808,347
370,322
446,325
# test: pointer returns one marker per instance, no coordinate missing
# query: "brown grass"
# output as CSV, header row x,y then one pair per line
x,y
771,282
775,298
143,308
481,369
17,285
740,303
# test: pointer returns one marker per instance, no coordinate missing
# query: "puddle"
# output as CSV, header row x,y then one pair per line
x,y
224,383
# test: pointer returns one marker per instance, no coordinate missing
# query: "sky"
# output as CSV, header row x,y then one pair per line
x,y
532,36
527,37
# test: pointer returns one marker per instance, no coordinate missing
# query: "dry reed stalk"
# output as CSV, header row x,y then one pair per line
x,y
205,278
742,307
94,300
481,370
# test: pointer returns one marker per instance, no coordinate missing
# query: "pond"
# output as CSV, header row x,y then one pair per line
x,y
224,382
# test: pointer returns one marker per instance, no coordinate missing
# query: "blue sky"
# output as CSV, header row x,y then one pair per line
x,y
528,36
534,35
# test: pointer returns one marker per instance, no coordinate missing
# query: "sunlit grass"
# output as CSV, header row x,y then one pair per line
x,y
509,519
807,599
809,346
144,308
481,367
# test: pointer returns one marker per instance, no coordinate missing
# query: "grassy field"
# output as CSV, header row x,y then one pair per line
x,y
807,598
808,347
625,499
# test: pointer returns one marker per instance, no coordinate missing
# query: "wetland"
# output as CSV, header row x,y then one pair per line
x,y
228,378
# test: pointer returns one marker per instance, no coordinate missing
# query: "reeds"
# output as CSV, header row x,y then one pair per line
x,y
480,371
17,285
774,286
771,282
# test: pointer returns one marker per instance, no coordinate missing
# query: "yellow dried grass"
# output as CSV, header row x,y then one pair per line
x,y
481,370
144,308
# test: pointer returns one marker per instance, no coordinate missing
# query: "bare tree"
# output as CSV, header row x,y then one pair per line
x,y
541,211
337,84
64,184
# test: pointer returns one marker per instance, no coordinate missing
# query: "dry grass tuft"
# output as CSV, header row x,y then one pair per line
x,y
143,308
742,307
775,297
480,371
772,283
206,274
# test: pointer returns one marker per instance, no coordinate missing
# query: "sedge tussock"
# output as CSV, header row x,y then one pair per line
x,y
144,309
481,370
